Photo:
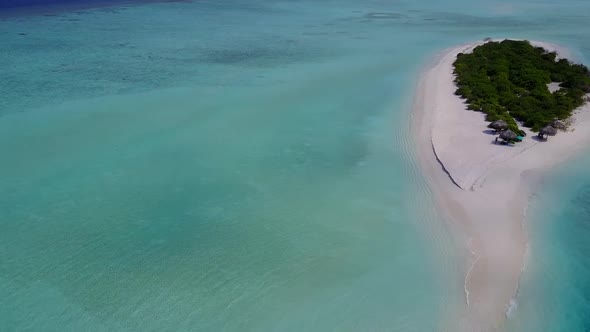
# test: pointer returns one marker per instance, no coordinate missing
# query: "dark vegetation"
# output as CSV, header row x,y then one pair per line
x,y
508,80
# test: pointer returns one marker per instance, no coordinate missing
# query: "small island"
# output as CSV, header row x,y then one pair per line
x,y
483,189
519,83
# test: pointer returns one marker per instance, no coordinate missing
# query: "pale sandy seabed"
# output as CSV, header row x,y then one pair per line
x,y
482,189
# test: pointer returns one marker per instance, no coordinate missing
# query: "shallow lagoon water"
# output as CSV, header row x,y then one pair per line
x,y
234,166
554,293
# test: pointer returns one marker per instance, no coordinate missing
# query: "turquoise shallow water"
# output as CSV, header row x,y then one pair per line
x,y
555,293
237,166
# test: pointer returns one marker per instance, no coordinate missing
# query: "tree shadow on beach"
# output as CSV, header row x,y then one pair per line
x,y
499,143
539,139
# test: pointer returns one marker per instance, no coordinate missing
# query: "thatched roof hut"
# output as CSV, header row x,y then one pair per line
x,y
498,125
548,130
558,125
508,135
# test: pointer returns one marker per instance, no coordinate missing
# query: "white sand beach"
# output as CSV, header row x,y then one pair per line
x,y
483,188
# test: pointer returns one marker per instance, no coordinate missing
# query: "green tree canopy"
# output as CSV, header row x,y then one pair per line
x,y
508,80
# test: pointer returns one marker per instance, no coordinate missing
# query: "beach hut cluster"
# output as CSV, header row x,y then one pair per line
x,y
508,136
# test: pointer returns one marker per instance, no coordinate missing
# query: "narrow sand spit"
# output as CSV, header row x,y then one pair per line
x,y
481,188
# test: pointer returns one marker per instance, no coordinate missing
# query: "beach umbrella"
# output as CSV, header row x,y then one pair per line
x,y
558,125
549,131
498,125
508,135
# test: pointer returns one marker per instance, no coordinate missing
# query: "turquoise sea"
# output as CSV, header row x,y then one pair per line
x,y
248,166
555,287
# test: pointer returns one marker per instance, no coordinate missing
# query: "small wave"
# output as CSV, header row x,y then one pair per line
x,y
527,248
525,259
512,306
476,256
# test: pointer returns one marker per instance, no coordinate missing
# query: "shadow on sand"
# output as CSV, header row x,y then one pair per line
x,y
500,143
489,132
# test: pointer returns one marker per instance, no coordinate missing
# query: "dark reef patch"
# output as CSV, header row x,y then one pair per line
x,y
248,56
384,16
